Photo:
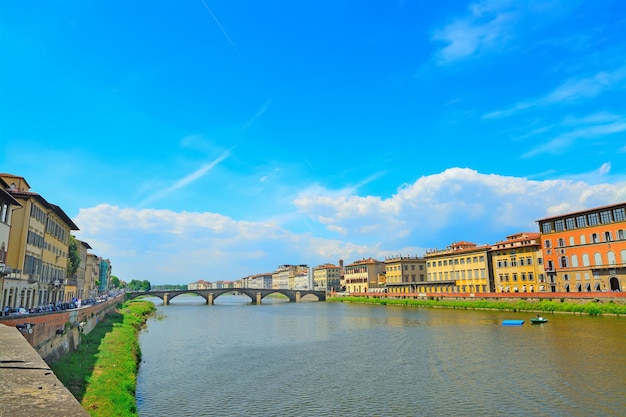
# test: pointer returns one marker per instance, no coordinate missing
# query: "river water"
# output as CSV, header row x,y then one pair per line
x,y
336,359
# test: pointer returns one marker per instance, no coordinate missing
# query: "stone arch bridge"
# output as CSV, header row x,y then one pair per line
x,y
255,294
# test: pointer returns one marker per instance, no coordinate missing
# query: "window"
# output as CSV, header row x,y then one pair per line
x,y
597,258
574,261
547,244
571,241
581,221
559,225
523,276
607,236
611,257
620,234
593,219
586,261
583,240
546,227
570,223
605,217
561,242
521,261
619,215
563,261
530,276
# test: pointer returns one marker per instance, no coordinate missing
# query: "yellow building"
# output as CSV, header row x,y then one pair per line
x,y
463,267
363,274
403,273
7,205
38,246
518,264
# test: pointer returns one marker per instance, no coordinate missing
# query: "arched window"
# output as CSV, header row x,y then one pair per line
x,y
563,261
611,257
598,289
561,242
623,254
571,241
574,261
586,260
597,258
595,238
607,236
620,234
588,288
579,288
583,240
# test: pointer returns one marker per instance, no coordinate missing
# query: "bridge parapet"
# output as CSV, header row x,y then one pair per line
x,y
255,294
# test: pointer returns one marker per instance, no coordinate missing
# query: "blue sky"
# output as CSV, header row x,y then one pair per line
x,y
213,140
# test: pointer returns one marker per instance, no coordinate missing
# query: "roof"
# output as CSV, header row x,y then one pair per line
x,y
56,209
574,213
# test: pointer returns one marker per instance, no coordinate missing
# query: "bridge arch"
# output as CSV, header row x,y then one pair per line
x,y
255,294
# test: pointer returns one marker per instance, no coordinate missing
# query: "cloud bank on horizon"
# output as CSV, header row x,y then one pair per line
x,y
205,140
434,211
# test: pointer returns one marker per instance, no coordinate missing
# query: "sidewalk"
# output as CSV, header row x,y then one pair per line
x,y
28,387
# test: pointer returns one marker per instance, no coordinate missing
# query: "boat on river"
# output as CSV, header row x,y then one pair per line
x,y
512,322
538,320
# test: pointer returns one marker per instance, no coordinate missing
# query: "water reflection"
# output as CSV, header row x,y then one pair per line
x,y
344,360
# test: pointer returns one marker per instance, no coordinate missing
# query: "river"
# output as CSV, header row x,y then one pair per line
x,y
336,359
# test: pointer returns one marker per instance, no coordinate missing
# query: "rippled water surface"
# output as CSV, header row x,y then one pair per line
x,y
334,359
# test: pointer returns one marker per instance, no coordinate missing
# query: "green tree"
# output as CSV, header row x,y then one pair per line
x,y
146,285
73,258
115,282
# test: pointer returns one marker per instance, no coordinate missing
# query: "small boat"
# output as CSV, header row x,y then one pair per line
x,y
512,322
538,320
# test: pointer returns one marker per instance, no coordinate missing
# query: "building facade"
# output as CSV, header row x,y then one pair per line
x,y
403,273
7,205
585,251
517,264
363,274
326,277
463,267
38,247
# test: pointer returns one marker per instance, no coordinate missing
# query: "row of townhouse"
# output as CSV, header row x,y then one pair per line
x,y
34,247
581,251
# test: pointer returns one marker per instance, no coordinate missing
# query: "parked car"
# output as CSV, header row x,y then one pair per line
x,y
18,311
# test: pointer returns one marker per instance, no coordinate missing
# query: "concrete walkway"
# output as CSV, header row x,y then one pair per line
x,y
28,387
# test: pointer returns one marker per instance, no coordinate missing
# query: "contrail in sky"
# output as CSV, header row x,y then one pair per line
x,y
206,6
199,173
256,116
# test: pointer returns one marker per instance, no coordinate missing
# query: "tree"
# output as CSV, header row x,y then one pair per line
x,y
115,281
136,285
73,258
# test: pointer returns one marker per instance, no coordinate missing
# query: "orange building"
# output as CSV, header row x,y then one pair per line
x,y
585,251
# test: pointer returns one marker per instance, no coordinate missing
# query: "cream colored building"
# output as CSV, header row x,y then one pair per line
x,y
363,274
463,267
92,276
517,264
403,273
285,276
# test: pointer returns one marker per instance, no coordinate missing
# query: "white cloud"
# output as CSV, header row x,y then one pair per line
x,y
486,26
591,127
574,89
165,246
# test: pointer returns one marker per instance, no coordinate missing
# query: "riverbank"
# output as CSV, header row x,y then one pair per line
x,y
102,373
590,307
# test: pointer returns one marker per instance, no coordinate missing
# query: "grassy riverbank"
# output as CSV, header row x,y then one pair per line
x,y
102,372
592,307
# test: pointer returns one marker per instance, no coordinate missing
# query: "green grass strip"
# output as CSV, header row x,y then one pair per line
x,y
102,373
592,307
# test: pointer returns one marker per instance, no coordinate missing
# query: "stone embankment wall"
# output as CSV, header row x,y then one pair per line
x,y
53,335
